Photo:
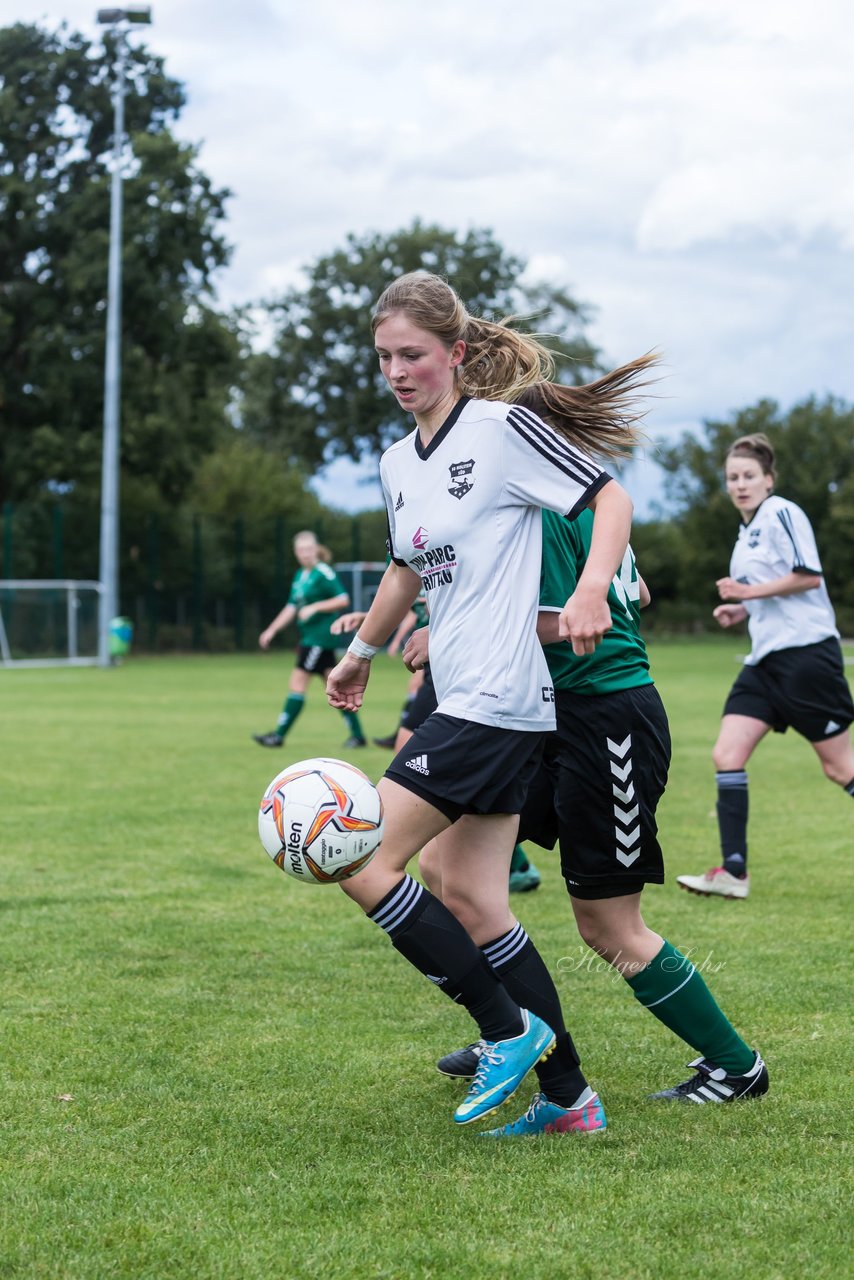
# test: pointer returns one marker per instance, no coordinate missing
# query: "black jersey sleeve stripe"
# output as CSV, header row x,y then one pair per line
x,y
571,464
553,440
584,500
574,474
557,442
800,565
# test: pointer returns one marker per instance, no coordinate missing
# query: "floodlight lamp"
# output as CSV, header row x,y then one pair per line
x,y
136,13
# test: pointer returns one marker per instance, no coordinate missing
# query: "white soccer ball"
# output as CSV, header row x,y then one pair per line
x,y
321,820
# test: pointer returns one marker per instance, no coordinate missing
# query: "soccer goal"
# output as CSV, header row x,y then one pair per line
x,y
49,622
361,579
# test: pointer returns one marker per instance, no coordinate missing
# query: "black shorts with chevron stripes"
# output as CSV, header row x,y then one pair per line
x,y
604,772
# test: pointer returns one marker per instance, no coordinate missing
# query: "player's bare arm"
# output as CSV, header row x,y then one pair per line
x,y
416,651
791,584
347,622
281,620
729,615
332,605
398,589
548,620
586,617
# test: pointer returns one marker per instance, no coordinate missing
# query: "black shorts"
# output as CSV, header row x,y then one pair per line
x,y
604,772
314,660
422,705
804,688
462,767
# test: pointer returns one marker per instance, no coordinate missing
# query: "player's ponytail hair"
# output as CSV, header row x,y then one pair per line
x,y
759,448
600,417
500,363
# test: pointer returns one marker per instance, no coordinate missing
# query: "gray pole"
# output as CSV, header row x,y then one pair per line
x,y
109,563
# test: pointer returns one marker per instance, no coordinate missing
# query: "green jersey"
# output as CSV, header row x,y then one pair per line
x,y
620,661
308,587
422,617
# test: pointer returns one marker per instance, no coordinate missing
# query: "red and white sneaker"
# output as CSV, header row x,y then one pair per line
x,y
717,881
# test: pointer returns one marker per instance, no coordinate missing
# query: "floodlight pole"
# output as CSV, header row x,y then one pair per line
x,y
109,551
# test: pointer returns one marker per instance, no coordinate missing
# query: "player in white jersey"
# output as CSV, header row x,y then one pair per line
x,y
794,674
463,494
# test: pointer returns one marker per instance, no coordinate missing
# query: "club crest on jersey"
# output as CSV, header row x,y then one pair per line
x,y
459,483
753,537
420,538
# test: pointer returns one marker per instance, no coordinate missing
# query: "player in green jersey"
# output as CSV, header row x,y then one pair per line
x,y
316,599
605,769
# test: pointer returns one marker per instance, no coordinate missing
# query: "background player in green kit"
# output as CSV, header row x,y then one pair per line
x,y
605,769
316,599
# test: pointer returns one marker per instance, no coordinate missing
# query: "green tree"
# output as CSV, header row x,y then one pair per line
x,y
179,356
814,447
317,392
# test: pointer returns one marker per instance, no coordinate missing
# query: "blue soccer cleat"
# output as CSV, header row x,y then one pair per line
x,y
503,1066
547,1117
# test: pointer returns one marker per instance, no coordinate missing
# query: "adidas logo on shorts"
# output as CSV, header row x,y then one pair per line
x,y
419,764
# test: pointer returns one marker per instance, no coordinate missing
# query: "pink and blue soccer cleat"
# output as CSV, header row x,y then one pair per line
x,y
547,1117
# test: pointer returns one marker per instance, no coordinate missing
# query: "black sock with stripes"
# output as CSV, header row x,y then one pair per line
x,y
425,932
732,819
520,967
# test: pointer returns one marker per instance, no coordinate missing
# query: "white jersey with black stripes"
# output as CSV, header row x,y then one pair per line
x,y
464,514
777,541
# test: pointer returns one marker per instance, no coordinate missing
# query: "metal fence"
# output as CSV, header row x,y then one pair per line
x,y
187,581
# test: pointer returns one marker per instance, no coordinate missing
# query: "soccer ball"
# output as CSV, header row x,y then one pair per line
x,y
321,820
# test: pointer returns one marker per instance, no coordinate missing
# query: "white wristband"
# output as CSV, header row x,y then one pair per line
x,y
359,649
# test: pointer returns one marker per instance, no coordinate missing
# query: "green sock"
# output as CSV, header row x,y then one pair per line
x,y
293,706
675,993
353,724
518,862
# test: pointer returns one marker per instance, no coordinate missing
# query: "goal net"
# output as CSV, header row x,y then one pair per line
x,y
49,622
361,579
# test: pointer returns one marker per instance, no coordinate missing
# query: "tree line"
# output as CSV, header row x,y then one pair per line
x,y
220,439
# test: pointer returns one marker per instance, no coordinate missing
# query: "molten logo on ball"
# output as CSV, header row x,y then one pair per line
x,y
321,820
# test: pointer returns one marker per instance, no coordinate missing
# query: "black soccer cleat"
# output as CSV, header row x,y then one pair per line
x,y
712,1084
267,739
462,1063
388,742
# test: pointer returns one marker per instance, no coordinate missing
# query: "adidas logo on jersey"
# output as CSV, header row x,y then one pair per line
x,y
399,503
419,764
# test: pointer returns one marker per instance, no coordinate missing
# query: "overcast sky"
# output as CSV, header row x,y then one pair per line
x,y
684,166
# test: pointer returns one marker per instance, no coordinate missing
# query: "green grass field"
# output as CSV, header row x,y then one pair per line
x,y
210,1070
